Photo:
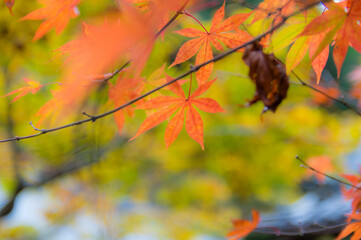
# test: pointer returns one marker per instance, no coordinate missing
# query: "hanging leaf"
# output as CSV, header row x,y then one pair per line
x,y
268,75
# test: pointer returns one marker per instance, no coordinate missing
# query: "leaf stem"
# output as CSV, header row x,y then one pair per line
x,y
190,87
190,15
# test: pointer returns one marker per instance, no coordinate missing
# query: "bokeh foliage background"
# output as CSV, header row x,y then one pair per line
x,y
138,189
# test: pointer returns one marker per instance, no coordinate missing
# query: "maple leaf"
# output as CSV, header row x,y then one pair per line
x,y
52,106
124,90
169,105
33,87
299,49
321,99
341,26
158,11
220,31
126,37
354,228
322,164
56,13
352,193
9,4
273,10
268,75
243,227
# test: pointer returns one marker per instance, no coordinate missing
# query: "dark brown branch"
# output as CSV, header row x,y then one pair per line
x,y
5,210
326,175
194,69
51,175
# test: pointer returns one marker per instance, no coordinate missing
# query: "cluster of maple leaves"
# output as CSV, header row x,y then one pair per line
x,y
100,48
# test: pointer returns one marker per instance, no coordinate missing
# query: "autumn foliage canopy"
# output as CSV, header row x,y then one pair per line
x,y
278,42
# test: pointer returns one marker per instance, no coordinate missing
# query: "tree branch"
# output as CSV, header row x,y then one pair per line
x,y
192,70
50,175
345,104
326,175
301,232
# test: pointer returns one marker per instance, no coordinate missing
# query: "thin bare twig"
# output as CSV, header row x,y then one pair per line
x,y
326,175
298,232
345,104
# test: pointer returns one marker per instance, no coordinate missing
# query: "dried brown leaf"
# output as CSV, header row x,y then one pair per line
x,y
269,76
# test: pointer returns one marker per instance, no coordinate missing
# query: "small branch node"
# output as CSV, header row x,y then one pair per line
x,y
93,118
17,138
35,128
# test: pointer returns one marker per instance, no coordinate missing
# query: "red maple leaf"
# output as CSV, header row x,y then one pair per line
x,y
243,227
219,32
169,105
56,14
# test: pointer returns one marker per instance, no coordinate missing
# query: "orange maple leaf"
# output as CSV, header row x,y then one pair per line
x,y
124,90
51,107
57,14
352,193
184,105
321,99
273,9
341,26
243,227
126,37
9,4
158,11
219,32
33,87
322,164
354,228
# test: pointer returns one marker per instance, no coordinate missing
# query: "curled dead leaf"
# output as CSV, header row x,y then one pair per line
x,y
269,76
